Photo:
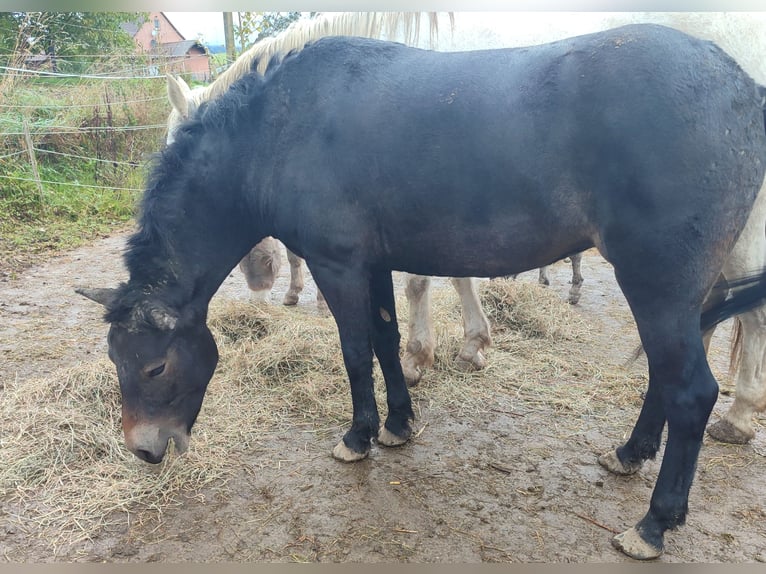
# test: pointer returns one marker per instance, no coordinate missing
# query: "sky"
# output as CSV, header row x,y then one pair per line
x,y
210,24
190,24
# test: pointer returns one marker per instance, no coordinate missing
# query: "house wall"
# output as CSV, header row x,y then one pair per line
x,y
196,63
166,32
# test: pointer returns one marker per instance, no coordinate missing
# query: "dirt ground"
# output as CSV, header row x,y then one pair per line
x,y
516,483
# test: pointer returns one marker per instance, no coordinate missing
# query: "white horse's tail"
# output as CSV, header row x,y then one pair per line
x,y
735,350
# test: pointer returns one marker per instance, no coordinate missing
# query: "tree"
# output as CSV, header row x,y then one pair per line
x,y
254,26
66,33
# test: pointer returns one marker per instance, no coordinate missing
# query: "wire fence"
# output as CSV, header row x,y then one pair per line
x,y
70,131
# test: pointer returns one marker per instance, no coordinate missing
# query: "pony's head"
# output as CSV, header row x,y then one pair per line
x,y
164,360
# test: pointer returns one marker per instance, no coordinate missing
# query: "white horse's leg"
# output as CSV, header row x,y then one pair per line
x,y
750,395
296,279
749,255
475,325
419,351
542,276
577,279
297,284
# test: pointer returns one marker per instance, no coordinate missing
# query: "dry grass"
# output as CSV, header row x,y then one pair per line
x,y
66,471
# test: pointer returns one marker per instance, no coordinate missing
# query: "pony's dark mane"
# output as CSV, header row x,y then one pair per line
x,y
149,254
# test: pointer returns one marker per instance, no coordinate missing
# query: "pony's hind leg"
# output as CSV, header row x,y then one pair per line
x,y
644,441
476,337
385,342
682,392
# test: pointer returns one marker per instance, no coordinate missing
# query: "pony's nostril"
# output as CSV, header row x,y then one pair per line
x,y
147,456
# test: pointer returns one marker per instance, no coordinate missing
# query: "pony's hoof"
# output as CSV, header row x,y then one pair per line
x,y
724,431
387,438
343,453
611,462
631,543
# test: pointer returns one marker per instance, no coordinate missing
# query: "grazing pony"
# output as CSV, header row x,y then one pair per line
x,y
259,266
364,157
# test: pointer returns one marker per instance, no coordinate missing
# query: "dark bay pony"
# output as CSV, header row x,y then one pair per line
x,y
364,157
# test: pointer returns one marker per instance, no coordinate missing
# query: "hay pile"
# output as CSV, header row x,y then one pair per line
x,y
66,472
543,356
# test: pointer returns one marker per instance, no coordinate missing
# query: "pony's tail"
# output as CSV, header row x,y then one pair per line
x,y
762,94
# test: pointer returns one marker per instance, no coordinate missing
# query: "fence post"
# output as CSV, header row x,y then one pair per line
x,y
33,161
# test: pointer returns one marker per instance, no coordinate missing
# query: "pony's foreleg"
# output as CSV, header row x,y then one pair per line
x,y
475,325
577,279
347,291
419,351
296,279
385,342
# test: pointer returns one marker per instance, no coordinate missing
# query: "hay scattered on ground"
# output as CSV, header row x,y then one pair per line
x,y
67,473
531,311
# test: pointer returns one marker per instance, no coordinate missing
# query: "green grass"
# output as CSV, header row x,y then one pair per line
x,y
86,198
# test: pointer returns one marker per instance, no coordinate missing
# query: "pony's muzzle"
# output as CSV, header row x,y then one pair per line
x,y
149,442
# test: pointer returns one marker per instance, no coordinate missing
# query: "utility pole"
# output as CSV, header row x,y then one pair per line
x,y
228,34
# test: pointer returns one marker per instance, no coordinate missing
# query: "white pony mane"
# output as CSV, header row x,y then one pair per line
x,y
402,26
300,32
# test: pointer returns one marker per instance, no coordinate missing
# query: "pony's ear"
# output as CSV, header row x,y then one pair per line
x,y
179,95
104,296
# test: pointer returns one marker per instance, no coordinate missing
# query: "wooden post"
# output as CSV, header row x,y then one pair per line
x,y
33,161
228,34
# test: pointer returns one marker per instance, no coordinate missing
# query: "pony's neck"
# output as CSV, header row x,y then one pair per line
x,y
184,260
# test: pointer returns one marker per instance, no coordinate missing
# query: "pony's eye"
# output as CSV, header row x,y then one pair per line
x,y
156,371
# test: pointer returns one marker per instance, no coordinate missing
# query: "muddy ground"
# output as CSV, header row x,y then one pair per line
x,y
516,483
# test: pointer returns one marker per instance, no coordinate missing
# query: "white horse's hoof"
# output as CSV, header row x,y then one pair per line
x,y
290,298
631,543
724,431
343,453
471,363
